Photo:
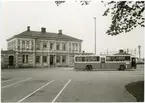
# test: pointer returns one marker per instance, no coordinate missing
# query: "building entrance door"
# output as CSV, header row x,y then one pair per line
x,y
51,59
11,60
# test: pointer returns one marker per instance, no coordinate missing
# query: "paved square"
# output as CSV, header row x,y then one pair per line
x,y
67,85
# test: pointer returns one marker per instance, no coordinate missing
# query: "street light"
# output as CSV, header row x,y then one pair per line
x,y
139,47
95,34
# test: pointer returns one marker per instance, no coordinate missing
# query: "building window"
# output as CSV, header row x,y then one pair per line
x,y
18,41
44,44
76,47
13,45
57,46
26,58
23,44
8,46
58,58
18,47
69,46
27,44
79,47
23,59
63,59
38,45
64,46
73,47
32,44
44,59
51,46
37,59
18,44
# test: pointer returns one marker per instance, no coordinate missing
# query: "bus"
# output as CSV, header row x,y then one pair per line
x,y
93,62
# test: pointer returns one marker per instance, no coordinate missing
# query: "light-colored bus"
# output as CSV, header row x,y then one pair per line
x,y
92,62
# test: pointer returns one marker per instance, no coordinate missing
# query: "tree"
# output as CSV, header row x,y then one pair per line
x,y
58,2
82,2
125,15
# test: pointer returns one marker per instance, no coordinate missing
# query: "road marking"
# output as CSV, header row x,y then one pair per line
x,y
61,91
34,91
130,94
7,80
15,83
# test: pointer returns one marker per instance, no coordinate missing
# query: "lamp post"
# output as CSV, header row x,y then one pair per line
x,y
34,58
139,53
95,35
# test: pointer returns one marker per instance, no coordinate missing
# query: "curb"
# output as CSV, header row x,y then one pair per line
x,y
130,94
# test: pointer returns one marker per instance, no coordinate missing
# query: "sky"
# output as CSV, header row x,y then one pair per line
x,y
74,20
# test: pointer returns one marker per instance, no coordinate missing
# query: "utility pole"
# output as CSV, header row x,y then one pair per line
x,y
95,35
35,47
139,47
107,51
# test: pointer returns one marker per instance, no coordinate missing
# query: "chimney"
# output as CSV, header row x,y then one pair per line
x,y
28,28
60,32
120,51
43,30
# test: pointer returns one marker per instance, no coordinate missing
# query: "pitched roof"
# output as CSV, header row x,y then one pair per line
x,y
46,35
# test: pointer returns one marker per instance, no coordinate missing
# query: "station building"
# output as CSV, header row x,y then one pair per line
x,y
40,49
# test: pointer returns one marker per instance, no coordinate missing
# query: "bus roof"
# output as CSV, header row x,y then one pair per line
x,y
101,55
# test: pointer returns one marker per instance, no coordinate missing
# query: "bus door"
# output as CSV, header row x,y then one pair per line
x,y
133,63
103,64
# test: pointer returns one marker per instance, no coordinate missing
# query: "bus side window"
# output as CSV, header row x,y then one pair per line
x,y
120,58
117,58
102,60
76,59
123,58
114,59
98,58
79,59
111,58
107,58
127,58
83,59
95,59
89,58
86,58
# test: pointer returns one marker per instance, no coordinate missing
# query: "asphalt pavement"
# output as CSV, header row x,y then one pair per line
x,y
67,85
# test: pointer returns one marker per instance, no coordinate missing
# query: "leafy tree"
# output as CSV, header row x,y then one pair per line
x,y
58,2
83,2
125,15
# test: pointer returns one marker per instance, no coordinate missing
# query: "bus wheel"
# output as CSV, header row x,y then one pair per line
x,y
89,68
122,67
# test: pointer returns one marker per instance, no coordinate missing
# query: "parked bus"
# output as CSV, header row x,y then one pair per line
x,y
92,62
